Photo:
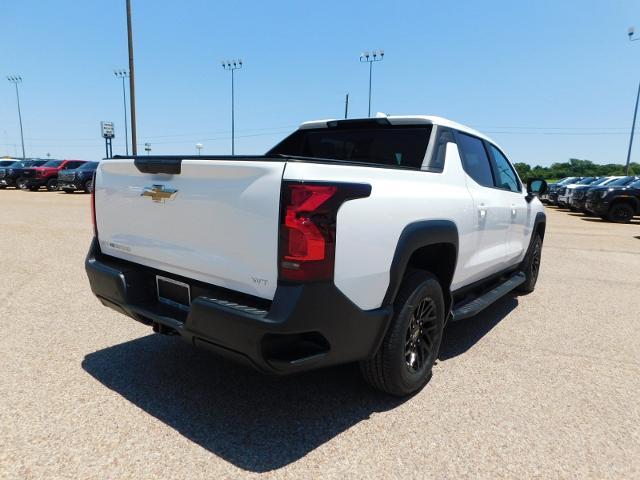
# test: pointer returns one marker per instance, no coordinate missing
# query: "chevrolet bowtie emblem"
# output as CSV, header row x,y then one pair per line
x,y
159,193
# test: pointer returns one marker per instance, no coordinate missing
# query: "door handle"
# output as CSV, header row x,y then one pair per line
x,y
482,210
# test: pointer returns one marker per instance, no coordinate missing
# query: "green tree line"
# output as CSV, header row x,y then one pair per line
x,y
574,168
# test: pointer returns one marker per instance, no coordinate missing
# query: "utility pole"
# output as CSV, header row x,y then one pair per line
x,y
147,148
16,79
366,57
346,105
633,38
132,88
232,66
124,74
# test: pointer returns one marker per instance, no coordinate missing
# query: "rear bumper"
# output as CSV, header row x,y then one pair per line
x,y
305,327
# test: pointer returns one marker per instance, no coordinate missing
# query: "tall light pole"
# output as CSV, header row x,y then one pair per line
x,y
232,66
132,87
633,38
124,74
16,79
366,57
147,148
198,148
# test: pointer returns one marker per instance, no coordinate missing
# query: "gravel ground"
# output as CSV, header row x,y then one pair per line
x,y
538,386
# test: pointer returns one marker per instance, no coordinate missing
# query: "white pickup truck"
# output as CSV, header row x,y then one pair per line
x,y
351,240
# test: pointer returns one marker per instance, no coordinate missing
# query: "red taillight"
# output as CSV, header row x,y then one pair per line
x,y
93,207
308,228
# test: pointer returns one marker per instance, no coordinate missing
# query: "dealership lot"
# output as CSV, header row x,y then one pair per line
x,y
543,386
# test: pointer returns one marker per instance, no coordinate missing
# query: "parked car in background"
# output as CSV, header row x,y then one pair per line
x,y
9,175
617,202
81,178
7,162
552,193
564,191
579,193
46,175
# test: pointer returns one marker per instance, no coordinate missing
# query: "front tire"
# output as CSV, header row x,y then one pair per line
x,y
88,186
21,183
52,185
404,361
531,265
620,213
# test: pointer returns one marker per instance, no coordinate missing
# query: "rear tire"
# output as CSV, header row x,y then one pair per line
x,y
88,186
620,213
531,265
404,361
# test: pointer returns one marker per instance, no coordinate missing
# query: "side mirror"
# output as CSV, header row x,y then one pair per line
x,y
535,187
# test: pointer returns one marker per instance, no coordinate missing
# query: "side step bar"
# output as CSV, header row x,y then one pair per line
x,y
475,306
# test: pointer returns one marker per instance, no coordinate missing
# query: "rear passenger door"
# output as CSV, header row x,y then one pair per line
x,y
508,182
492,214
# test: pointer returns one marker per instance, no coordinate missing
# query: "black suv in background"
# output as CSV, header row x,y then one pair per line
x,y
80,178
579,194
551,196
618,201
10,174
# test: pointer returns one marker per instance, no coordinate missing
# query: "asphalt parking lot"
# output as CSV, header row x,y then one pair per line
x,y
538,386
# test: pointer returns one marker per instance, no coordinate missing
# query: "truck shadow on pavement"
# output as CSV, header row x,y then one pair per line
x,y
461,336
257,422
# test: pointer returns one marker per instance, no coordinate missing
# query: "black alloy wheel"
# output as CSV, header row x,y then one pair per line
x,y
52,185
420,338
620,213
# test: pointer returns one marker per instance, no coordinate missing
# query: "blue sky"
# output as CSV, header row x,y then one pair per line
x,y
548,80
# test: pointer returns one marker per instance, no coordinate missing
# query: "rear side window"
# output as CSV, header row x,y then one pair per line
x,y
396,146
506,177
475,159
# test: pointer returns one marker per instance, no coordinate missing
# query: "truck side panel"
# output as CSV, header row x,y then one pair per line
x,y
368,229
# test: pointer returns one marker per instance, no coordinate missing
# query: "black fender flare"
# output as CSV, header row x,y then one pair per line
x,y
414,236
541,219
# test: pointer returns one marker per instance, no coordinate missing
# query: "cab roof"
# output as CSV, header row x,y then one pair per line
x,y
399,120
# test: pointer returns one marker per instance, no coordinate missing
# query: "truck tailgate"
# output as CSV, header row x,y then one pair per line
x,y
216,221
